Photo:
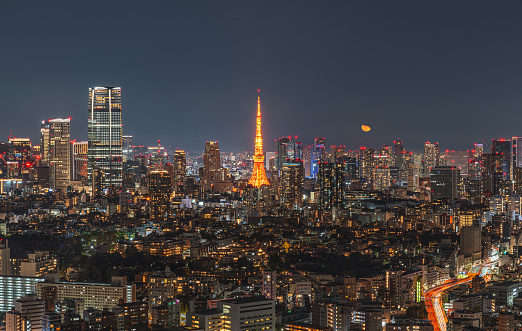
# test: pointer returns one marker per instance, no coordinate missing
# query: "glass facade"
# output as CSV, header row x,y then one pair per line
x,y
105,135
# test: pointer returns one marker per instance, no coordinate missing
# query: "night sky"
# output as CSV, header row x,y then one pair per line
x,y
447,71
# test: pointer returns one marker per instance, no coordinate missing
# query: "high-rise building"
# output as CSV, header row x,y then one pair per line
x,y
159,189
127,150
398,157
60,153
336,152
79,160
383,157
317,155
431,157
503,148
258,178
211,161
381,178
475,162
105,135
288,148
307,161
291,181
44,143
492,173
180,167
470,240
516,155
445,183
366,163
459,160
331,185
393,297
270,284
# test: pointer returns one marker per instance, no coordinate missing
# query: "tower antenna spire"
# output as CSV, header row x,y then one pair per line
x,y
258,173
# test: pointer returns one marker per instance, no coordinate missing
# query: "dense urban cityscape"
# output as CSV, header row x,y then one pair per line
x,y
107,234
267,165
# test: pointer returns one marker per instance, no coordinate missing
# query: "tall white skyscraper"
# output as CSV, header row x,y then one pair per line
x,y
105,135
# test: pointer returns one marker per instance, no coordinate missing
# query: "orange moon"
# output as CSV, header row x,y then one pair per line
x,y
365,128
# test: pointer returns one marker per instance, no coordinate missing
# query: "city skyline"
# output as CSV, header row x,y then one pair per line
x,y
437,75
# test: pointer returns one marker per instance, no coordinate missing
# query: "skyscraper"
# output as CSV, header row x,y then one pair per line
x,y
180,167
317,153
79,163
516,155
258,173
445,183
105,135
398,151
211,161
291,180
503,148
459,160
331,185
60,153
44,143
366,163
431,157
288,148
159,190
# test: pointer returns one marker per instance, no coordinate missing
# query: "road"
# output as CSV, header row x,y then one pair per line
x,y
433,296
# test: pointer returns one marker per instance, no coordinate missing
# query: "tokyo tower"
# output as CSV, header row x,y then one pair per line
x,y
258,173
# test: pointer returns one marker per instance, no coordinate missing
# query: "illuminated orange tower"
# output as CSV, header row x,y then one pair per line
x,y
258,173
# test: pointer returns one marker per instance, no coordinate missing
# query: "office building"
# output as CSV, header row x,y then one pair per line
x,y
291,184
459,160
105,136
253,313
516,155
318,153
475,162
431,157
398,154
366,164
160,188
288,148
502,147
127,148
180,167
336,152
269,284
492,173
44,143
79,160
381,178
470,240
60,153
211,162
331,185
445,183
